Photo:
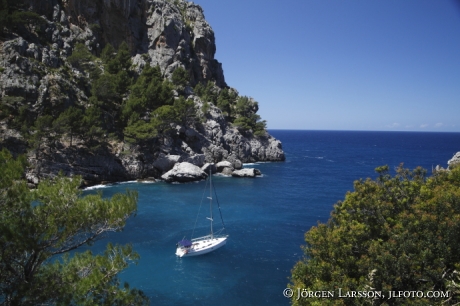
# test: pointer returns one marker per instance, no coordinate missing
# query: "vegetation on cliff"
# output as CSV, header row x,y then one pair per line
x,y
13,16
399,233
37,227
127,106
122,90
239,110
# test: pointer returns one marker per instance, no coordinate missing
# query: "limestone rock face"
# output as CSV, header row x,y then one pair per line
x,y
183,173
179,36
170,34
165,163
227,143
74,161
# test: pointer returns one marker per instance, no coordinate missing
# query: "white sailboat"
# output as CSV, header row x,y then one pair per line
x,y
205,244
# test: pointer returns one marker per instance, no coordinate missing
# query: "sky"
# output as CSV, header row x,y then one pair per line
x,y
378,65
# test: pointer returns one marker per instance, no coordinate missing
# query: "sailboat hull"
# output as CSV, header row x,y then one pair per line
x,y
205,244
202,245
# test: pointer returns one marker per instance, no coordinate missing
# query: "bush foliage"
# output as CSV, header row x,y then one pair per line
x,y
38,227
394,233
239,110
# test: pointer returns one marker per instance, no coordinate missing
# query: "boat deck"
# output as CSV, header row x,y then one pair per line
x,y
202,245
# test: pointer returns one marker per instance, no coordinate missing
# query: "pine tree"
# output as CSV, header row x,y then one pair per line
x,y
185,111
80,57
41,132
38,227
92,119
108,53
180,77
70,122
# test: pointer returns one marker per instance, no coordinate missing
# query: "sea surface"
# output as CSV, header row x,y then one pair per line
x,y
266,217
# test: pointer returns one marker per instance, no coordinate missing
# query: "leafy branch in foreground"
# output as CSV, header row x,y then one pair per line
x,y
398,233
54,219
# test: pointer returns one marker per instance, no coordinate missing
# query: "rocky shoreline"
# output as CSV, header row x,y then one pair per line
x,y
214,142
454,161
182,173
186,172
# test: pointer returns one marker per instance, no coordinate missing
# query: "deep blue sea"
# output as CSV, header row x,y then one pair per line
x,y
266,217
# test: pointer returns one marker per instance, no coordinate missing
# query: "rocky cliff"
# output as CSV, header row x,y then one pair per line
x,y
171,33
36,78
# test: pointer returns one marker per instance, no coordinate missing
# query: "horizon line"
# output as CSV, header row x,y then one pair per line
x,y
346,130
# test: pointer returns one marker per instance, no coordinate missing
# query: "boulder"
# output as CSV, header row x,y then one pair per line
x,y
184,172
227,171
224,164
209,167
454,160
246,172
237,164
439,168
196,159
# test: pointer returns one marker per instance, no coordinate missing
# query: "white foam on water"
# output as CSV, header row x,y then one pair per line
x,y
128,182
97,187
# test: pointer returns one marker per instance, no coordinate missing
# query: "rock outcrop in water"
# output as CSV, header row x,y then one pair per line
x,y
454,160
247,172
35,75
183,173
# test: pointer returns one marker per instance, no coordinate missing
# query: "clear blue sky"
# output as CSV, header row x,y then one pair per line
x,y
343,65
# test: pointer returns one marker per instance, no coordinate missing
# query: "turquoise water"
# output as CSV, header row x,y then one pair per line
x,y
265,217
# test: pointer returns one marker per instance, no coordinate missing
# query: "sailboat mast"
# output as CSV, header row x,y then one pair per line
x,y
210,198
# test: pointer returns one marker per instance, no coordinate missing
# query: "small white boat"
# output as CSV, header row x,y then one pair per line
x,y
205,244
200,246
